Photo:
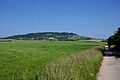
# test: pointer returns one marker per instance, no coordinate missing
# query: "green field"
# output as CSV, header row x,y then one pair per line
x,y
49,60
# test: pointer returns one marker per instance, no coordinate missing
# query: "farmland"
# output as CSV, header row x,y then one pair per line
x,y
49,60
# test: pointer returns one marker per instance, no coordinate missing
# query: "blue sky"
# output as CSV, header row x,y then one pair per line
x,y
93,18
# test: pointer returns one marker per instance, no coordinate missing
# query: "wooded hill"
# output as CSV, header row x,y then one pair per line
x,y
60,36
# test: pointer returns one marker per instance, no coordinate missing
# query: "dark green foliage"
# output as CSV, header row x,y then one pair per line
x,y
51,36
111,40
115,39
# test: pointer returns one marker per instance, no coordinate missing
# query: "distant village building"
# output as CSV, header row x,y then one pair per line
x,y
51,38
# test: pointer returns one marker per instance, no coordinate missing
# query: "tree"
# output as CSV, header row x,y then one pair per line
x,y
111,40
115,39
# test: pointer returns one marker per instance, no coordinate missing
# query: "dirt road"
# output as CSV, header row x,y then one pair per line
x,y
110,68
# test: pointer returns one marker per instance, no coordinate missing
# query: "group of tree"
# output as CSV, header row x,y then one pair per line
x,y
115,40
58,36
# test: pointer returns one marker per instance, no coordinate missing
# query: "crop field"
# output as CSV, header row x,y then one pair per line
x,y
49,60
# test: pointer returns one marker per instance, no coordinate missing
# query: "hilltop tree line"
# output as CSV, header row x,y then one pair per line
x,y
115,40
60,36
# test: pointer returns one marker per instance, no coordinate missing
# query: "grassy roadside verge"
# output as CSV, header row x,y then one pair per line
x,y
82,66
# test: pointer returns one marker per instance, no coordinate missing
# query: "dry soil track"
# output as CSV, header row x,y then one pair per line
x,y
110,68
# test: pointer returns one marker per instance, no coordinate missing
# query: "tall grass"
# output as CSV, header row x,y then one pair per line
x,y
82,66
29,60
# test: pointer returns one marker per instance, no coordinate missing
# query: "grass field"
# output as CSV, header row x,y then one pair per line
x,y
49,60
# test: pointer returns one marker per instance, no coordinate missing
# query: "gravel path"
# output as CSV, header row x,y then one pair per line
x,y
110,68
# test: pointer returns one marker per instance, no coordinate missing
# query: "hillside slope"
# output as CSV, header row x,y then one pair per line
x,y
60,36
